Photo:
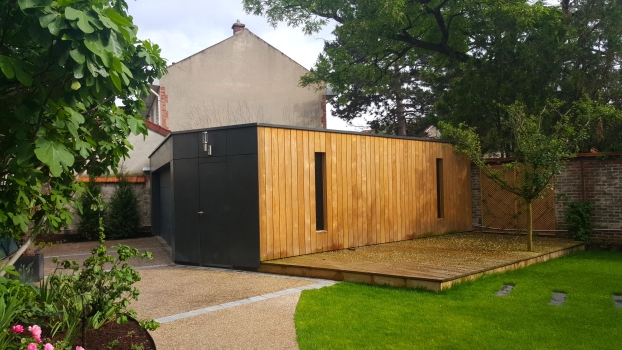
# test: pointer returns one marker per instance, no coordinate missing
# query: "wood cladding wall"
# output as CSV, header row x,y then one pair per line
x,y
377,190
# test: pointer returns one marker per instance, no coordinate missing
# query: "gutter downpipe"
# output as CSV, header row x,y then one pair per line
x,y
159,114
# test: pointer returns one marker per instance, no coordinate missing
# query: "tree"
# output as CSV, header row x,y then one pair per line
x,y
479,56
539,155
123,219
64,66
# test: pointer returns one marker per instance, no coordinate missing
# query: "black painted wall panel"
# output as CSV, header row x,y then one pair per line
x,y
214,234
185,146
241,141
218,140
243,218
185,179
162,156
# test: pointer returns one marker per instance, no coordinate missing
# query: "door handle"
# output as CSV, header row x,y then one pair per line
x,y
200,212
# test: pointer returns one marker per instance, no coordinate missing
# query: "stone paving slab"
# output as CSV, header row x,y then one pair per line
x,y
617,301
558,299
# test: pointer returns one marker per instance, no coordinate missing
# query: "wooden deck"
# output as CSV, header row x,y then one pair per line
x,y
434,263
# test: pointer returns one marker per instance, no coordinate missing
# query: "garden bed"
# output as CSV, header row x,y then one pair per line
x,y
116,336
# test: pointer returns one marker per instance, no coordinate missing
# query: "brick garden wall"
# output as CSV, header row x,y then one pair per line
x,y
589,177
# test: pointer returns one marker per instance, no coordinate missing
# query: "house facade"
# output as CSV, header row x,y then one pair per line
x,y
242,79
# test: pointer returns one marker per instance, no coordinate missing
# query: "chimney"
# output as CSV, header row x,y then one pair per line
x,y
237,27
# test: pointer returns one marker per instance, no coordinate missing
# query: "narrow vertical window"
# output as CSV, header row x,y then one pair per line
x,y
439,188
320,190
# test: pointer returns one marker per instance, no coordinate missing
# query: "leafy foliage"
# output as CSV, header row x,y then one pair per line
x,y
539,155
579,220
64,64
92,209
467,61
122,218
98,292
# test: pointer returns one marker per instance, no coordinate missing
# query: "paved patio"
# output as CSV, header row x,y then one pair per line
x,y
434,263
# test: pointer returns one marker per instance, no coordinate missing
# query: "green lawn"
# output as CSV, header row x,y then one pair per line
x,y
470,316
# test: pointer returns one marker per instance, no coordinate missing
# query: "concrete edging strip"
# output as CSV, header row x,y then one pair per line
x,y
243,301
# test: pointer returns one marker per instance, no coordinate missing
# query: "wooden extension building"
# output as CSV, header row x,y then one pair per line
x,y
239,195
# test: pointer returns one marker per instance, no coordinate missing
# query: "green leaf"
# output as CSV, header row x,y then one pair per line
x,y
83,19
28,4
54,155
56,26
133,124
116,81
114,46
7,67
78,71
47,19
75,116
77,56
116,18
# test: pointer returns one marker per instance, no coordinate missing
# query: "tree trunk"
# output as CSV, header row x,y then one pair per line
x,y
529,227
401,119
17,254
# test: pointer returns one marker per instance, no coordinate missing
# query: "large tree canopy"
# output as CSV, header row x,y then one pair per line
x,y
471,58
65,65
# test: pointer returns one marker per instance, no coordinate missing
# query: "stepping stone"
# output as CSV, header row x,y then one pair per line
x,y
617,301
558,299
505,290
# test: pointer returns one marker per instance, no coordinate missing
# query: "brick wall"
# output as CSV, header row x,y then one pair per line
x,y
163,109
589,177
476,193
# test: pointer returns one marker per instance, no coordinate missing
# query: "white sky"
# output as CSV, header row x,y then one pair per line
x,y
185,27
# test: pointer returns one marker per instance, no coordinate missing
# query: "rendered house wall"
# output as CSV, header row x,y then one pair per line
x,y
239,80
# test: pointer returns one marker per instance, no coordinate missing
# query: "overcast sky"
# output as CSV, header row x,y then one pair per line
x,y
185,27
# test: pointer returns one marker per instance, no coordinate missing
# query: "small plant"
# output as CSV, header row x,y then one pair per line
x,y
149,325
579,220
92,208
98,292
137,347
112,344
123,219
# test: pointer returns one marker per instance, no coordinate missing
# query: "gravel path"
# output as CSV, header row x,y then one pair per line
x,y
172,290
267,324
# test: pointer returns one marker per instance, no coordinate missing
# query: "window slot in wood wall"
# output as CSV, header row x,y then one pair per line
x,y
320,191
439,188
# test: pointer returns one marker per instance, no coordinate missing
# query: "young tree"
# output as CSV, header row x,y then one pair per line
x,y
539,155
64,66
123,219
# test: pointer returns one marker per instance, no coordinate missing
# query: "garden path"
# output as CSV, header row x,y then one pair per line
x,y
207,308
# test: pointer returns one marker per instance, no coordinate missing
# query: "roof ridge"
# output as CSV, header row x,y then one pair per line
x,y
222,41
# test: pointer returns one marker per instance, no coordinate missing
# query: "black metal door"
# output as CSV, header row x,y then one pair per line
x,y
213,206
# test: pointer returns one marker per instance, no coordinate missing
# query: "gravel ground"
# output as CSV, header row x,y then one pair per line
x,y
82,251
267,324
172,290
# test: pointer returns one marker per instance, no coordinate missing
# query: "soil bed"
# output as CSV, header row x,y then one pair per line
x,y
116,337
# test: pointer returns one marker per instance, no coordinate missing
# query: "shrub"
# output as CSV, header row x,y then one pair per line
x,y
579,220
123,218
92,207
